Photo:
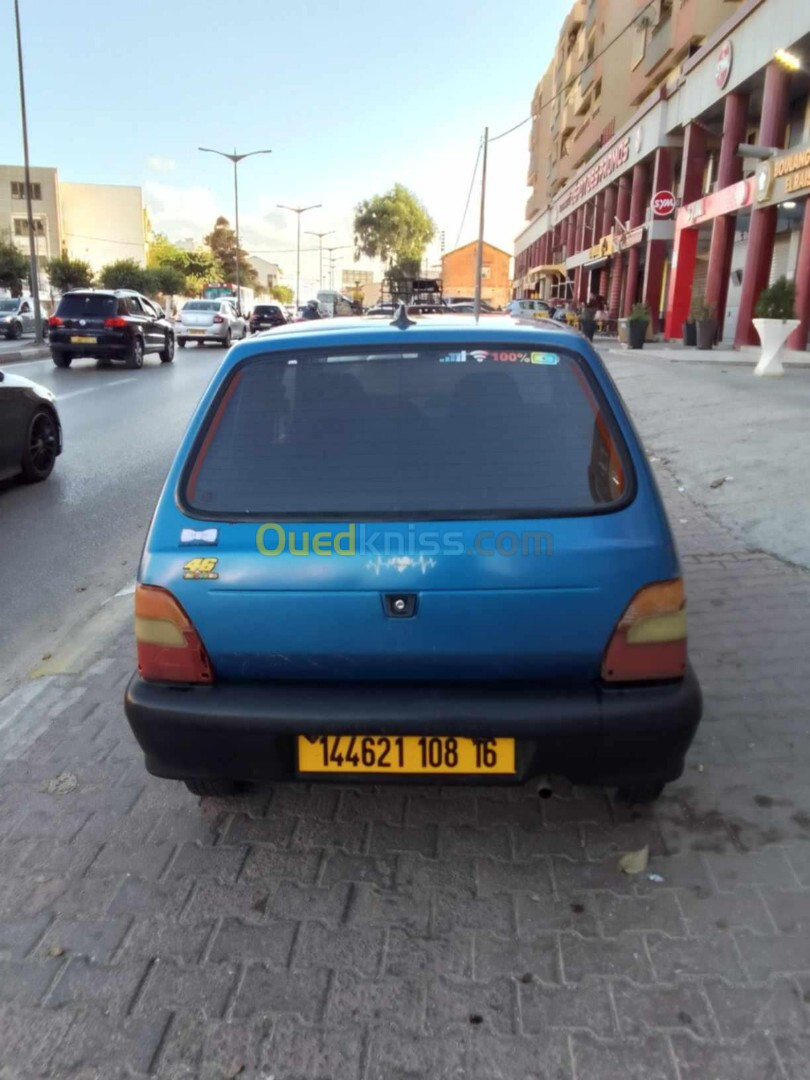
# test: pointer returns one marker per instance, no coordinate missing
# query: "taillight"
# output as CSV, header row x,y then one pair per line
x,y
649,641
115,323
54,321
218,318
169,647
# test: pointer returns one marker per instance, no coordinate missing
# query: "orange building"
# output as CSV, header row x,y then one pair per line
x,y
458,273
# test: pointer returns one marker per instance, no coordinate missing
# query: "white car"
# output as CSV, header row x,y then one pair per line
x,y
529,309
209,320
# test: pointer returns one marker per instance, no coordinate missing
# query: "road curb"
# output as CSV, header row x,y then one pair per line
x,y
35,352
88,640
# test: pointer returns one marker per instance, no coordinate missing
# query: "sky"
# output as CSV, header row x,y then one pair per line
x,y
350,97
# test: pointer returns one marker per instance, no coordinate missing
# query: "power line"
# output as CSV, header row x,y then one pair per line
x,y
469,193
574,78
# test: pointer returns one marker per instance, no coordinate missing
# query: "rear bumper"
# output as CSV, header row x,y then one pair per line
x,y
210,334
591,734
106,344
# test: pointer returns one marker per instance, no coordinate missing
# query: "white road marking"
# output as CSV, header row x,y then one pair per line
x,y
91,389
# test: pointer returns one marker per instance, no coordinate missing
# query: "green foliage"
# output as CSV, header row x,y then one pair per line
x,y
124,274
222,243
394,227
282,293
13,265
640,313
65,273
162,252
166,280
778,301
701,310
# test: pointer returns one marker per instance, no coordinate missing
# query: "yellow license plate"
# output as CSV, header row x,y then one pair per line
x,y
196,331
413,754
83,340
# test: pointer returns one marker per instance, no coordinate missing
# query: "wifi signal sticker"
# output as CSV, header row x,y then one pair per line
x,y
479,354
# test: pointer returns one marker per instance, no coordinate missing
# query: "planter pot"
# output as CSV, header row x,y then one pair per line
x,y
588,328
773,333
706,332
637,332
689,334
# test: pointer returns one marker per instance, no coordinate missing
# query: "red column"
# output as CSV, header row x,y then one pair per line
x,y
603,285
693,163
623,199
569,227
617,263
608,211
798,339
759,256
657,249
730,171
638,210
680,283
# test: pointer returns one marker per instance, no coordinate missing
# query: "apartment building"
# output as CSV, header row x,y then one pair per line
x,y
98,223
600,74
672,207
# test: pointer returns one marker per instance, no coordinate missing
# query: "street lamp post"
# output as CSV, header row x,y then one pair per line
x,y
299,210
235,158
32,240
332,261
320,236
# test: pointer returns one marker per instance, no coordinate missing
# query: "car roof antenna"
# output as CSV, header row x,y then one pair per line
x,y
401,320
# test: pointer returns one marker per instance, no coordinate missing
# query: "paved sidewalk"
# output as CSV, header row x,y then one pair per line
x,y
383,934
28,349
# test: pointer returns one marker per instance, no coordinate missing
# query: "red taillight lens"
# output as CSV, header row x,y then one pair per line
x,y
169,648
54,321
115,323
649,641
218,318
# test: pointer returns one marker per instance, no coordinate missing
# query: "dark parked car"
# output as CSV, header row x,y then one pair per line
x,y
30,432
266,316
110,324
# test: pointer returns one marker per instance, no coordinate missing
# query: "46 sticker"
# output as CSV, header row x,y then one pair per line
x,y
201,569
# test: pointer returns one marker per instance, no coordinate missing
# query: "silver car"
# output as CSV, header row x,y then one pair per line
x,y
17,317
209,320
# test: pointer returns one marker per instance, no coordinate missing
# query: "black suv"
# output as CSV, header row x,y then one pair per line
x,y
265,316
110,324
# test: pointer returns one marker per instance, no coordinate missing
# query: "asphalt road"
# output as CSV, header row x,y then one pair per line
x,y
70,543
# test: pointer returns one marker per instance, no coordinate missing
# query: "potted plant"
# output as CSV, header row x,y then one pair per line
x,y
587,320
774,323
703,314
637,325
690,329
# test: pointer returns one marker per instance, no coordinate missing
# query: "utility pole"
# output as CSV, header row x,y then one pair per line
x,y
320,236
299,210
479,261
32,240
332,261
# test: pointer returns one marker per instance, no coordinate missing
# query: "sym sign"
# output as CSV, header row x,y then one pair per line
x,y
663,204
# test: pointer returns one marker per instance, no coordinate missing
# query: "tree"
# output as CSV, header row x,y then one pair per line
x,y
166,280
14,265
124,274
162,252
394,227
65,273
282,293
222,242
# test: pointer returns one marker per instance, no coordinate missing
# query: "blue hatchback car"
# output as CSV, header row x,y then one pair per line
x,y
426,550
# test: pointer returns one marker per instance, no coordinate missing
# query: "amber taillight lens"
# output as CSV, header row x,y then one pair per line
x,y
649,641
169,647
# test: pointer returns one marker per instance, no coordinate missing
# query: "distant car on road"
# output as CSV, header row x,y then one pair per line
x,y
109,324
17,317
433,549
383,309
266,316
30,432
467,303
529,309
216,321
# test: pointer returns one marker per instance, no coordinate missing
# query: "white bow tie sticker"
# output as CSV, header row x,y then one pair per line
x,y
202,536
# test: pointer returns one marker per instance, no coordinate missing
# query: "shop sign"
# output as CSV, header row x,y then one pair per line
x,y
607,166
784,177
725,58
604,249
726,201
663,204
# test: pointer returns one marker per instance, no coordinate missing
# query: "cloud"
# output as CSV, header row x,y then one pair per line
x,y
160,164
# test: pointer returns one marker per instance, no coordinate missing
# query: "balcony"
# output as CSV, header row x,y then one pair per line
x,y
659,45
586,79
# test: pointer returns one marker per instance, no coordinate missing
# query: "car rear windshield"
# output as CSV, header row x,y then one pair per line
x,y
79,305
437,432
202,305
266,309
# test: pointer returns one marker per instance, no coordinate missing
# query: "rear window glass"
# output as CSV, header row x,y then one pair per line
x,y
76,305
266,309
202,305
436,432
